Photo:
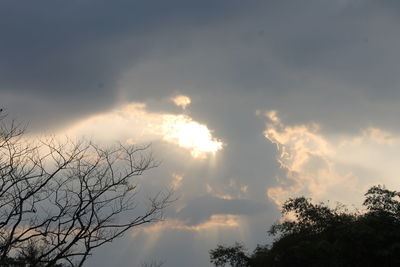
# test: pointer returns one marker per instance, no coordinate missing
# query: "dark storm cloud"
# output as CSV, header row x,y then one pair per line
x,y
73,52
77,46
296,56
334,62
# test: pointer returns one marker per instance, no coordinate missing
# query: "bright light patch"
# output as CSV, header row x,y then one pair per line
x,y
190,134
134,124
272,115
177,180
231,191
181,101
215,221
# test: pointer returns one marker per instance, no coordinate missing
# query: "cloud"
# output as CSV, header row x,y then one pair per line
x,y
177,181
215,220
200,209
305,156
77,63
264,51
185,132
132,123
206,213
328,167
374,135
334,63
229,191
181,101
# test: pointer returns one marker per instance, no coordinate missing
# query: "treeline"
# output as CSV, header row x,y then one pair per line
x,y
324,236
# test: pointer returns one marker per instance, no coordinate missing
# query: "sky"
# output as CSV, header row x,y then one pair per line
x,y
245,104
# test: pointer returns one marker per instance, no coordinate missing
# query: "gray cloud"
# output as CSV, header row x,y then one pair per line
x,y
73,53
319,57
202,208
332,62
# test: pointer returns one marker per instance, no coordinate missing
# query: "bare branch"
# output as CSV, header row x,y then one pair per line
x,y
61,200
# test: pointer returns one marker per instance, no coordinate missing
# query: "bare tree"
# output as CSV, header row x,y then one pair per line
x,y
61,200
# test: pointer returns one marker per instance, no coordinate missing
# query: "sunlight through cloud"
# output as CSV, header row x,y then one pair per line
x,y
215,220
190,134
308,159
330,167
134,124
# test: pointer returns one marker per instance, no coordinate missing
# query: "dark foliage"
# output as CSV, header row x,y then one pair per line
x,y
235,256
322,236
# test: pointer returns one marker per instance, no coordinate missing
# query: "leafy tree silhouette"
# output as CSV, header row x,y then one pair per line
x,y
324,236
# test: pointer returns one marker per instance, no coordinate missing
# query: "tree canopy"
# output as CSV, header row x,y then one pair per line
x,y
323,236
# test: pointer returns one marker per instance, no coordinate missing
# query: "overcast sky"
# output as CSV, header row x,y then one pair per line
x,y
245,103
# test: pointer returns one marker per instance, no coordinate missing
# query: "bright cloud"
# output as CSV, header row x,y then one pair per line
x,y
215,221
329,167
181,101
187,133
134,124
177,180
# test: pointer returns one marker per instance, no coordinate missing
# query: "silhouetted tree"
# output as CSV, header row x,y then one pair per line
x,y
234,255
61,200
324,236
